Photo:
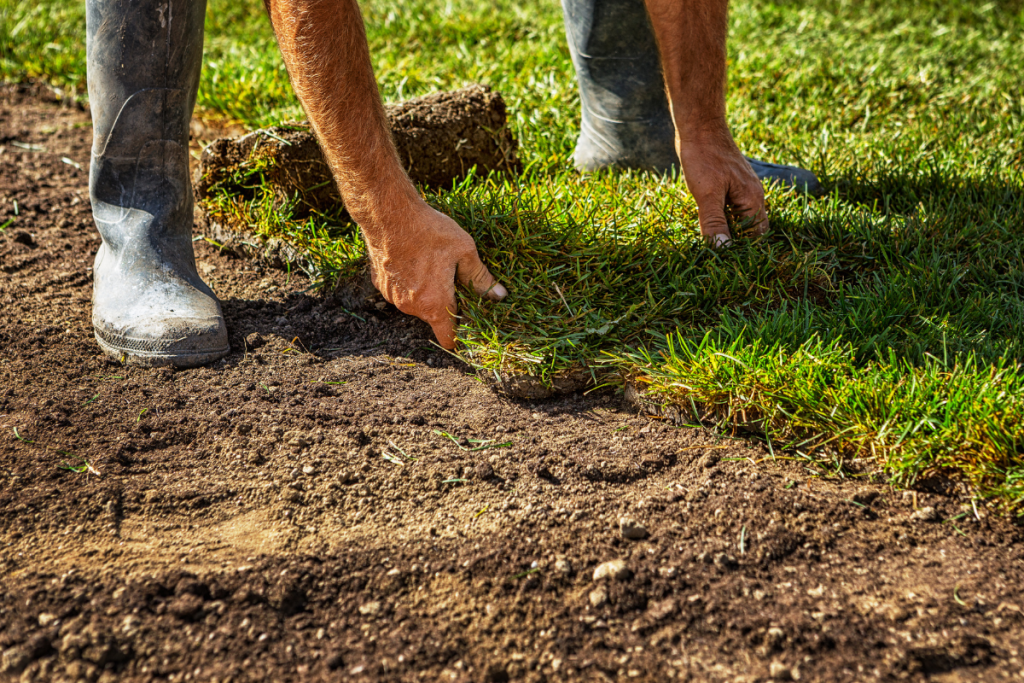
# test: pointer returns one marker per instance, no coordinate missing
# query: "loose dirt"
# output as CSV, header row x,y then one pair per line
x,y
291,512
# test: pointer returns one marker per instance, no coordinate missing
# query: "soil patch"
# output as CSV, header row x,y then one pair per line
x,y
338,500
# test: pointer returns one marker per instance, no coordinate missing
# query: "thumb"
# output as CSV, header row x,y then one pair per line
x,y
471,272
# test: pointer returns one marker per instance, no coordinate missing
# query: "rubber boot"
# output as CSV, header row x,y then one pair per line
x,y
626,121
150,307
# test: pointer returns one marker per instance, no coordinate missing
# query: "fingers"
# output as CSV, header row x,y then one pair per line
x,y
444,330
438,310
713,224
748,206
471,272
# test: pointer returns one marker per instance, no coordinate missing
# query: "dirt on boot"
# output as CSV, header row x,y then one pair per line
x,y
339,500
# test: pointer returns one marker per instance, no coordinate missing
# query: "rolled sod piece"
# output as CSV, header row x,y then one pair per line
x,y
439,138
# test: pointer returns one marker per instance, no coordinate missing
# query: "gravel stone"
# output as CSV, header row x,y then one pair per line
x,y
614,569
14,660
598,597
297,439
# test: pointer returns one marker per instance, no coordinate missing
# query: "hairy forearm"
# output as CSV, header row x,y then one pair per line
x,y
325,50
691,37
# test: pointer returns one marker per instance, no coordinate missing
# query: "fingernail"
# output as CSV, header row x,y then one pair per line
x,y
498,291
720,240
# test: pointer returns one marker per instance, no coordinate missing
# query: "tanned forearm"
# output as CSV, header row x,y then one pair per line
x,y
325,50
691,37
415,253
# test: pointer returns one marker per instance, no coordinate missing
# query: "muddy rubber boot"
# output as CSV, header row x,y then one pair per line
x,y
150,307
626,121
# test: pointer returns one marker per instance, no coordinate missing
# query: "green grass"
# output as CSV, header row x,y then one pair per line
x,y
876,331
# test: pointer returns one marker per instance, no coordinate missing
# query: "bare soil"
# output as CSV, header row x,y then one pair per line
x,y
257,520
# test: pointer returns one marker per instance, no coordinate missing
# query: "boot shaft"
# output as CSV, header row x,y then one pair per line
x,y
134,46
625,119
144,60
616,58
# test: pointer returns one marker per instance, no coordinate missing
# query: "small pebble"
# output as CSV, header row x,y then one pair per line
x,y
598,597
662,609
14,660
563,566
296,439
370,609
308,470
614,569
925,514
45,619
780,672
668,572
631,529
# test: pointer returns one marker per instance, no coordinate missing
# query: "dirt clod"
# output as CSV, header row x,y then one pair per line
x,y
24,237
439,139
631,529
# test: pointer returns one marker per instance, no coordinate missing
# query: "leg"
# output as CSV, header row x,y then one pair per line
x,y
625,118
150,306
626,122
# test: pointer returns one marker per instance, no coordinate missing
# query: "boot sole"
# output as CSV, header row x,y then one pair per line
x,y
147,353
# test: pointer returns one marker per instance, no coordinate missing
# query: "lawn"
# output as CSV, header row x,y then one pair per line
x,y
875,332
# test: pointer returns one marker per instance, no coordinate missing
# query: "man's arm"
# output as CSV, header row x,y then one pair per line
x,y
691,37
416,253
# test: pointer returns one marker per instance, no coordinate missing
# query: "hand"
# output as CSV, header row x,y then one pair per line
x,y
416,263
719,177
